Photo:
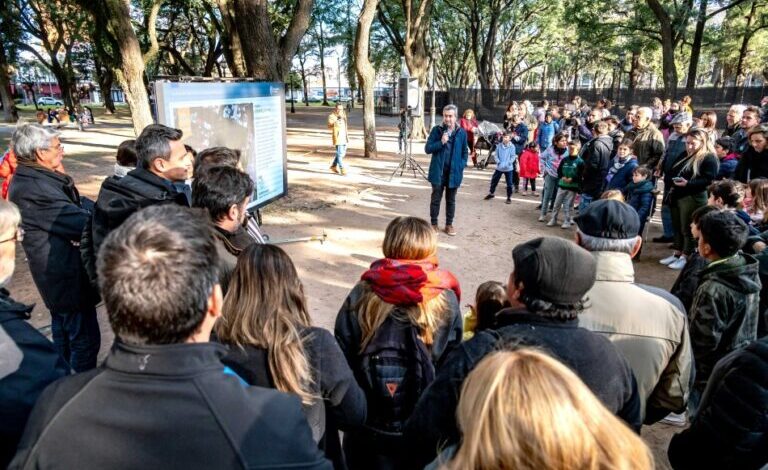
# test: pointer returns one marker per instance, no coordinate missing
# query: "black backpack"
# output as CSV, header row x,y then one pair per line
x,y
396,367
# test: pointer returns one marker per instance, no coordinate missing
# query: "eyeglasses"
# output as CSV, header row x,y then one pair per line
x,y
58,148
17,237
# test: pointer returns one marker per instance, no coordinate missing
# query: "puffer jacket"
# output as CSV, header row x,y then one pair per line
x,y
752,165
650,331
728,165
640,197
724,312
648,146
730,429
339,131
597,161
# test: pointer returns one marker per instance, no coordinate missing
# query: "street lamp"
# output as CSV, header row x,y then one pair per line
x,y
291,76
432,84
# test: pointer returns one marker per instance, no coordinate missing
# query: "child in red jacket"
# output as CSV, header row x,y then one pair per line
x,y
529,167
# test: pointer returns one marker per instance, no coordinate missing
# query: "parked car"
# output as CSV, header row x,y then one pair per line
x,y
49,101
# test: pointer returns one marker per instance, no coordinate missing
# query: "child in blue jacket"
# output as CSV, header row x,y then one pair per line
x,y
640,194
506,158
546,132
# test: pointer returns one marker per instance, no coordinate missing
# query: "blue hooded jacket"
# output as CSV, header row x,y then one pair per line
x,y
506,157
440,154
546,133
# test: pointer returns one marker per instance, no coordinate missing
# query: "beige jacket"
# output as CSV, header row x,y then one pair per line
x,y
650,332
338,126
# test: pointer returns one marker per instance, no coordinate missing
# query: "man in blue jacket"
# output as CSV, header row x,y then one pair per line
x,y
447,143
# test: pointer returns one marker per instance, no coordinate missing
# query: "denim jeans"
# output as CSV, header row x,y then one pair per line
x,y
507,177
548,193
450,203
341,150
666,221
564,199
585,201
77,337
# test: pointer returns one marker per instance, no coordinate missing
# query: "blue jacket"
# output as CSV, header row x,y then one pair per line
x,y
439,153
640,197
623,176
546,134
521,139
506,157
727,168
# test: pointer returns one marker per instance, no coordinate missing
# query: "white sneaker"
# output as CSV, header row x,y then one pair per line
x,y
566,224
669,260
679,264
551,222
542,218
674,419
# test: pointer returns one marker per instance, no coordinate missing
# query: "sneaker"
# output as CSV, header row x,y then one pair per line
x,y
335,169
509,201
489,196
566,224
551,222
449,230
675,419
662,239
524,193
679,264
542,218
668,260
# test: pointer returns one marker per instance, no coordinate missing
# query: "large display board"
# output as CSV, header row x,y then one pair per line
x,y
248,116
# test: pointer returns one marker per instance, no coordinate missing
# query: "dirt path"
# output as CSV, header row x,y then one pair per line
x,y
353,212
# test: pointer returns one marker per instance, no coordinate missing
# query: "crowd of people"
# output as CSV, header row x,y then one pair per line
x,y
216,361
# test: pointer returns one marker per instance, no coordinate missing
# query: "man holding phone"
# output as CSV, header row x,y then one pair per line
x,y
447,143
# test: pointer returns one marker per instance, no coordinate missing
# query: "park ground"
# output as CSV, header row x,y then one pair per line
x,y
352,211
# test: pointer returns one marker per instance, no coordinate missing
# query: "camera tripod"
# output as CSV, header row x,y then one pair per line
x,y
407,162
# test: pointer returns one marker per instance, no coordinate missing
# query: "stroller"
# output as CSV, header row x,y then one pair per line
x,y
487,137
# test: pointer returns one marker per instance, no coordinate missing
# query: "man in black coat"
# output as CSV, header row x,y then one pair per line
x,y
163,399
544,314
162,161
29,361
731,427
597,161
53,216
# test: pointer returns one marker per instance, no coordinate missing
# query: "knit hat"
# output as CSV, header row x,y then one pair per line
x,y
607,218
682,118
554,270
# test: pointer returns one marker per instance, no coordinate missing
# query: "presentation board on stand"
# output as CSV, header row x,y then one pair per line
x,y
244,115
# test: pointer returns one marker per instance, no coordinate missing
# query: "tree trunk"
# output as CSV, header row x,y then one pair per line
x,y
10,114
634,78
233,50
417,55
698,38
131,76
544,81
367,75
743,51
321,50
669,70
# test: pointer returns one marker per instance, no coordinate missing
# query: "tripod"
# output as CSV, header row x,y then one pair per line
x,y
407,162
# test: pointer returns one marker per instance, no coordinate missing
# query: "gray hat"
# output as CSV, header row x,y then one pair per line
x,y
682,118
554,270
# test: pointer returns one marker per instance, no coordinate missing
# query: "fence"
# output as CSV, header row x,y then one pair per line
x,y
491,104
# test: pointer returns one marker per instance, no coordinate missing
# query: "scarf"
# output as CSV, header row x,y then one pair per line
x,y
618,164
408,282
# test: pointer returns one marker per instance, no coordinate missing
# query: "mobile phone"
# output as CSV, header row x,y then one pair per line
x,y
677,178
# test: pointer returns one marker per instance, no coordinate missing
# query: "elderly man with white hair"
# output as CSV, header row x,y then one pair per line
x,y
29,362
645,323
53,216
648,145
733,119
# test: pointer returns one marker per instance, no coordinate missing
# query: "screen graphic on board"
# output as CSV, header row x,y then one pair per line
x,y
248,116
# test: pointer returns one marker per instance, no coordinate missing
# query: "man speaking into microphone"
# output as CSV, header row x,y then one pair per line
x,y
447,143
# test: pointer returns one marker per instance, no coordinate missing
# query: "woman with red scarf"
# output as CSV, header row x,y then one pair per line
x,y
468,122
405,288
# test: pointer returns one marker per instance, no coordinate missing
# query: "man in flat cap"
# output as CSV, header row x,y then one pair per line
x,y
544,313
646,327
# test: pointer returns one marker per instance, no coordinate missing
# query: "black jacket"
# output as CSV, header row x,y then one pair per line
x,y
696,184
229,245
118,199
752,164
169,406
724,312
53,216
592,357
342,405
597,162
40,365
687,281
731,427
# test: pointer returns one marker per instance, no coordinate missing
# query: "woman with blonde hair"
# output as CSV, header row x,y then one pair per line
x,y
691,176
525,410
709,124
272,343
395,324
468,122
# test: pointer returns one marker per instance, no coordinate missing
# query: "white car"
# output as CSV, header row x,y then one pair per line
x,y
49,101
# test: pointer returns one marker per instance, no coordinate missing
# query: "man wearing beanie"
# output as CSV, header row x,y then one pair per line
x,y
544,313
651,332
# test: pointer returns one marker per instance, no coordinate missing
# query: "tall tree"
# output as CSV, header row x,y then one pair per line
x,y
367,75
9,33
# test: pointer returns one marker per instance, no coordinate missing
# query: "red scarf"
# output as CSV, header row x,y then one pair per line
x,y
408,282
